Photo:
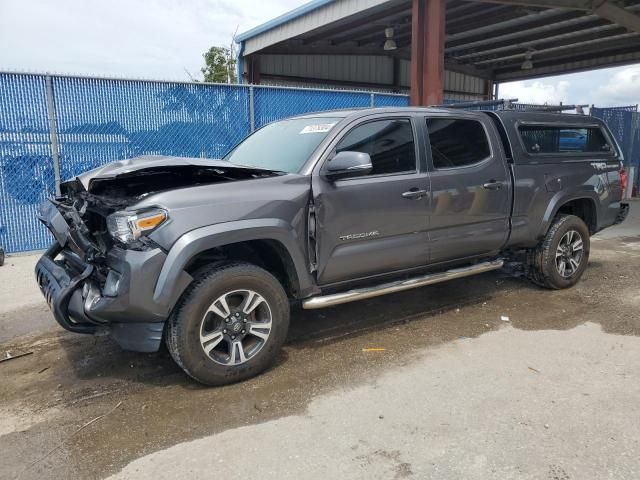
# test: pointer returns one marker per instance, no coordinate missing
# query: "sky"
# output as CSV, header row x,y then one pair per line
x,y
605,88
165,39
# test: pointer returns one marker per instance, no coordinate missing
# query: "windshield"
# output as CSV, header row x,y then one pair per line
x,y
283,146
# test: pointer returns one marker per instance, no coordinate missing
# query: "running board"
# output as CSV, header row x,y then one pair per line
x,y
399,286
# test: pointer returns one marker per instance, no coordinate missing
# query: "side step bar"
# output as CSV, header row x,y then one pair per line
x,y
399,286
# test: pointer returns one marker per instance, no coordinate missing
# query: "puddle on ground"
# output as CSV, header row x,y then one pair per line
x,y
71,379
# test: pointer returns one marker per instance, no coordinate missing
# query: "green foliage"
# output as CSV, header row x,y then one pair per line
x,y
220,65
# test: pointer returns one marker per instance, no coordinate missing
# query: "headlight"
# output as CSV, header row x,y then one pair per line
x,y
127,227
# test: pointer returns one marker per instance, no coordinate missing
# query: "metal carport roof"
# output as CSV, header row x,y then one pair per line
x,y
487,39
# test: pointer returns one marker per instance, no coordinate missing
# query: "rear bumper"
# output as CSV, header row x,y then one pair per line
x,y
623,212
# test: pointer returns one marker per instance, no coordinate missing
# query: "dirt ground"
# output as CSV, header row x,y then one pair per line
x,y
550,392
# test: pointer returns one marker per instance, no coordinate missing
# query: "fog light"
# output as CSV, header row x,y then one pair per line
x,y
112,285
93,297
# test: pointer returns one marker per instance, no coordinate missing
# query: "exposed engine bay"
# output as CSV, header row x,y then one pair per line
x,y
123,188
94,202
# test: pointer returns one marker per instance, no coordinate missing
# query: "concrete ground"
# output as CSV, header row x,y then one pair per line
x,y
551,392
22,307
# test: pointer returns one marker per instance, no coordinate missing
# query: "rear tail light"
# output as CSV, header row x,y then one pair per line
x,y
623,180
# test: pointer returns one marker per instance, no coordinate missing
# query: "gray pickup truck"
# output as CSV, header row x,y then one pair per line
x,y
324,208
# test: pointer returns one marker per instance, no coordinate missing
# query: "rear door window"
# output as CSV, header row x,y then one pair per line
x,y
457,142
557,139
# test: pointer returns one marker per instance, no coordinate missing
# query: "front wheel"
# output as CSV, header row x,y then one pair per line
x,y
562,256
229,325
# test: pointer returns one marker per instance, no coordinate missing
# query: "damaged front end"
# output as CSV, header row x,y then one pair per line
x,y
100,274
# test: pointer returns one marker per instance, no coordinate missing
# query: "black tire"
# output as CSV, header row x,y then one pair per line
x,y
543,269
184,329
1,256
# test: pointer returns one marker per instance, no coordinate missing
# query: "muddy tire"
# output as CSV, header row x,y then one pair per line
x,y
562,256
229,325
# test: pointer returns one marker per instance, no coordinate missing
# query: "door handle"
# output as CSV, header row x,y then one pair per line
x,y
493,185
414,194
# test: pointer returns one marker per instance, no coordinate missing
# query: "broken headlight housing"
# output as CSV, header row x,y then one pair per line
x,y
127,227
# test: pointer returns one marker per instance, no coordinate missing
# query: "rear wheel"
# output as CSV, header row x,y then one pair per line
x,y
230,324
562,256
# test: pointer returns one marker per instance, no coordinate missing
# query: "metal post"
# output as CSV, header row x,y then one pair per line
x,y
373,100
53,132
417,51
427,52
252,110
631,181
433,67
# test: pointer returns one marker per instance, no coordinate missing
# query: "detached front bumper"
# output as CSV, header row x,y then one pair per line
x,y
113,294
58,287
123,306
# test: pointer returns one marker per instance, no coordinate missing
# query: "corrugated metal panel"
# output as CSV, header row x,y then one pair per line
x,y
460,83
570,67
460,97
319,84
358,68
348,68
405,73
310,21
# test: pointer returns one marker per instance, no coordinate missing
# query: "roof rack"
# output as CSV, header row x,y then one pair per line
x,y
506,103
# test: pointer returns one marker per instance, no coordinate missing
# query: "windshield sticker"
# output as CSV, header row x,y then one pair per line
x,y
320,128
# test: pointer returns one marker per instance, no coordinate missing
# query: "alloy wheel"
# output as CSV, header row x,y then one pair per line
x,y
569,254
235,327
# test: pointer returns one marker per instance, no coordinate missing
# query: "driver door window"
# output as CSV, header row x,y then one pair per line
x,y
389,143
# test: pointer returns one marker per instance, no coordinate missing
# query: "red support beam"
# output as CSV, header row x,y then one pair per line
x,y
489,89
427,52
433,83
418,23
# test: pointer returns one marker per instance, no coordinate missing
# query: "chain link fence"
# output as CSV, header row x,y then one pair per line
x,y
54,127
274,103
27,173
624,123
103,120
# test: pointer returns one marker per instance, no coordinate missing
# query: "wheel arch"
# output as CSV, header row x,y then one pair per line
x,y
266,253
271,243
583,207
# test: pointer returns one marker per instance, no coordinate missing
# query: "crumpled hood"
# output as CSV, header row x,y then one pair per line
x,y
194,192
158,172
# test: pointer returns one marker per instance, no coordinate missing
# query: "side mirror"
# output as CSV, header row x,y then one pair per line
x,y
348,164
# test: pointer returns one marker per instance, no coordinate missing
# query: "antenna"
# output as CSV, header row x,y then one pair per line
x,y
189,74
232,54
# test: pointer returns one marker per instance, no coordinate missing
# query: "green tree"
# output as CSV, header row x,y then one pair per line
x,y
220,65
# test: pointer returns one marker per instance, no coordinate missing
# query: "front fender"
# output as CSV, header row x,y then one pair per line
x,y
168,289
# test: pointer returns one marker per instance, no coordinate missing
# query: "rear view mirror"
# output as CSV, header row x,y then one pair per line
x,y
348,164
